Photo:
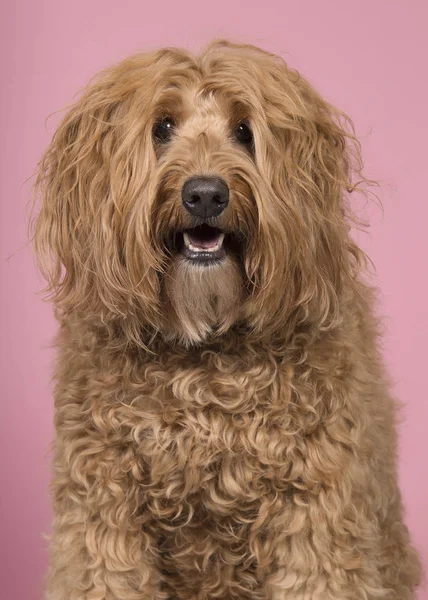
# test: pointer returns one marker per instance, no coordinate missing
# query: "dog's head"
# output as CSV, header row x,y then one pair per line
x,y
185,195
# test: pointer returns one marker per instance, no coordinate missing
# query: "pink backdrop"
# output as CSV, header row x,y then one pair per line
x,y
369,58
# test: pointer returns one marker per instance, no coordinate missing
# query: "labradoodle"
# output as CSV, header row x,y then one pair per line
x,y
224,424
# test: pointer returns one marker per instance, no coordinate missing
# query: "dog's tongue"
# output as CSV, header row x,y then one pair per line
x,y
204,237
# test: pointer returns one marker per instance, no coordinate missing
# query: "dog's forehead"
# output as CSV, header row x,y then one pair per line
x,y
200,103
205,89
209,104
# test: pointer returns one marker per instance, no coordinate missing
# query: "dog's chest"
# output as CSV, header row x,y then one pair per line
x,y
216,480
221,458
222,453
215,438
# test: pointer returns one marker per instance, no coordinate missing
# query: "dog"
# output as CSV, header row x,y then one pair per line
x,y
225,427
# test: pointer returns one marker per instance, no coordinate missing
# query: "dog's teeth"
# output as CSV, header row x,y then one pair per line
x,y
190,246
219,243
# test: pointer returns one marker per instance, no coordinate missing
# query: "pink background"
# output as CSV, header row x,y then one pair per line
x,y
368,57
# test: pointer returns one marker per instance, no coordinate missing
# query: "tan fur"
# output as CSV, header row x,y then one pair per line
x,y
226,431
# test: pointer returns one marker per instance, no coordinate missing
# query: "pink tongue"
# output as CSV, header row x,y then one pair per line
x,y
201,243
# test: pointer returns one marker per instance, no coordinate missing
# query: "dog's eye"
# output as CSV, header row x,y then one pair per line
x,y
163,130
243,133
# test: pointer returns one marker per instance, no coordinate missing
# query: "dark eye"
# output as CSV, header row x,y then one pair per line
x,y
163,130
243,133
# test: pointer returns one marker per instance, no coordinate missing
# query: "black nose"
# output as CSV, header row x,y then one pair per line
x,y
205,196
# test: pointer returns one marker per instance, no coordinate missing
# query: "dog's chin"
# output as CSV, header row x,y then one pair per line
x,y
203,284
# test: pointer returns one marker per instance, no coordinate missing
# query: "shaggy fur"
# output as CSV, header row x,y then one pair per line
x,y
223,431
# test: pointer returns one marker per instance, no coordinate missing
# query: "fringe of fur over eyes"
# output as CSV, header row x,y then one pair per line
x,y
224,431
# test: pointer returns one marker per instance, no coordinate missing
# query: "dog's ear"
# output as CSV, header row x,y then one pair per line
x,y
92,182
313,163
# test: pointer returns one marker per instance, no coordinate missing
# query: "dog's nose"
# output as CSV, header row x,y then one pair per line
x,y
205,196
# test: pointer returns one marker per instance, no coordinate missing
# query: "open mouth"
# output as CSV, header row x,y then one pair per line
x,y
204,244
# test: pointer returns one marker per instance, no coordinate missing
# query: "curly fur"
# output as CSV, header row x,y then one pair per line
x,y
222,432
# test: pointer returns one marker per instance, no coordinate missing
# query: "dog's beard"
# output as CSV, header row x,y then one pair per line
x,y
204,300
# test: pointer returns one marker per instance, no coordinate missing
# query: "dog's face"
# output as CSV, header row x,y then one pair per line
x,y
186,194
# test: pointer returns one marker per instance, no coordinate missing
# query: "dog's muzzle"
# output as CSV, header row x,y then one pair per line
x,y
208,242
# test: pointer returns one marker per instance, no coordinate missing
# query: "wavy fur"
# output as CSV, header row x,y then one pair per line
x,y
225,432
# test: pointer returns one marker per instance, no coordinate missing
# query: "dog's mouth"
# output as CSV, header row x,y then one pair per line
x,y
203,244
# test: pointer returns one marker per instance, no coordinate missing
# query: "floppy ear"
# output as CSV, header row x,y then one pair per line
x,y
312,156
90,180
